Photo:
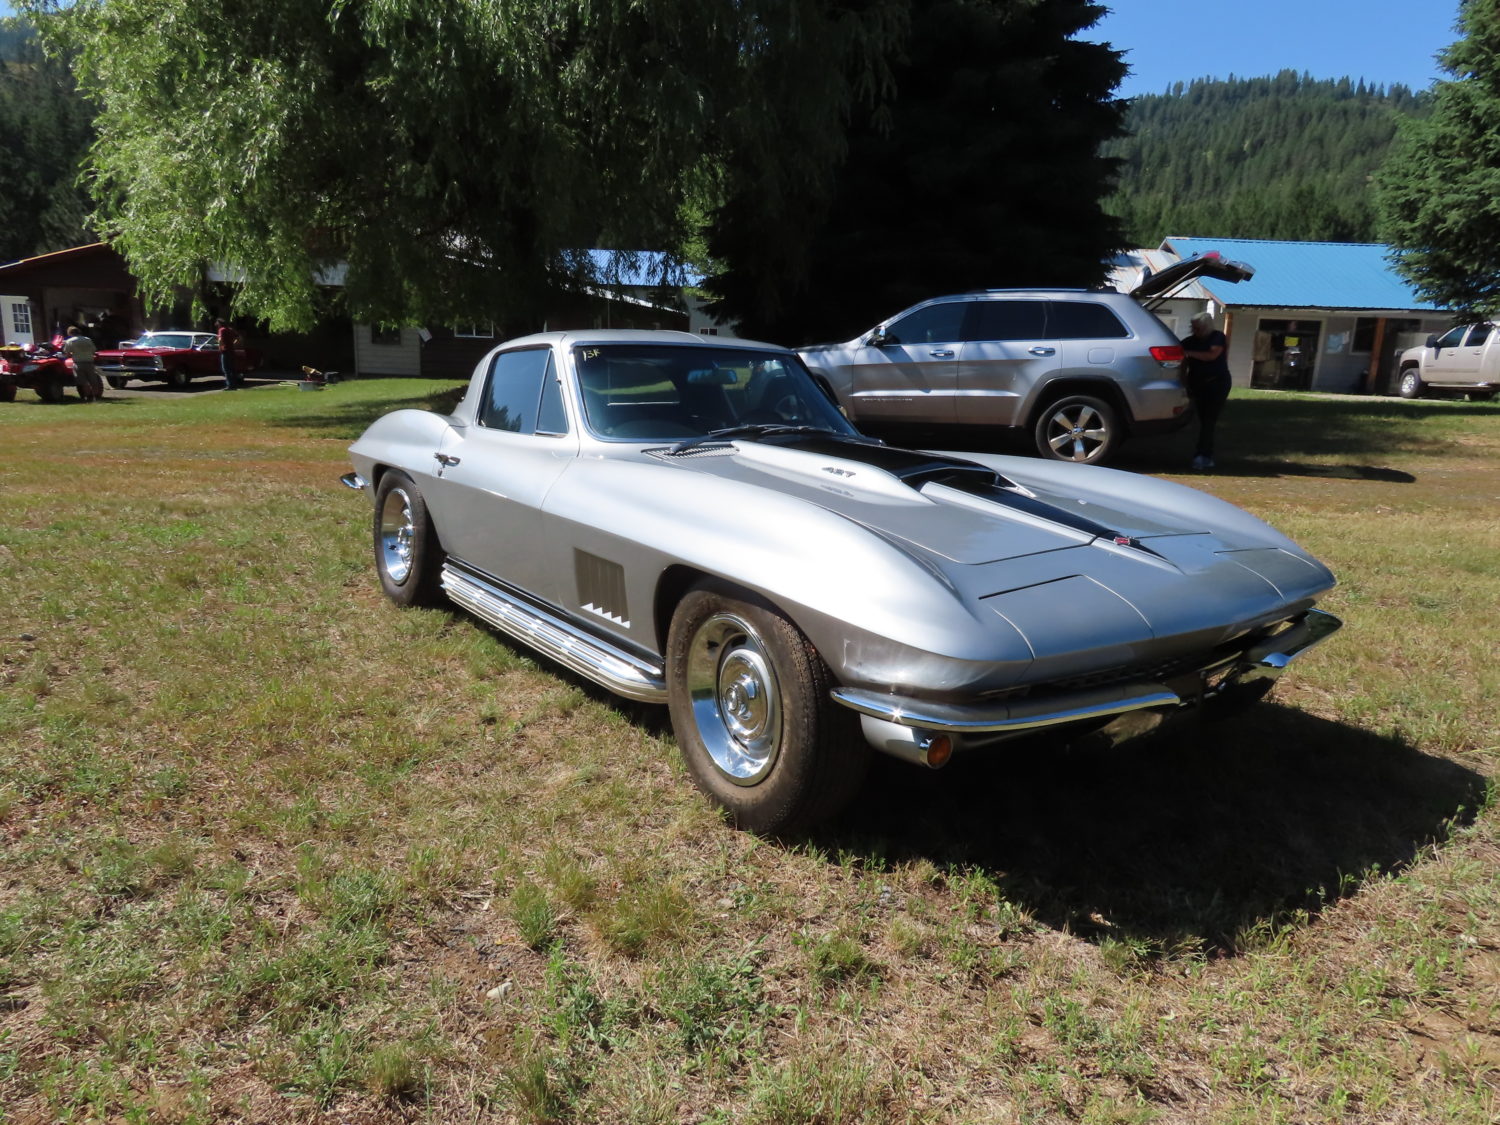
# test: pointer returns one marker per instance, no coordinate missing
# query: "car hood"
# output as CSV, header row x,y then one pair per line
x,y
1130,557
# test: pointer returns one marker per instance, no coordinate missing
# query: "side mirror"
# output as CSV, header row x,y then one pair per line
x,y
1432,339
879,338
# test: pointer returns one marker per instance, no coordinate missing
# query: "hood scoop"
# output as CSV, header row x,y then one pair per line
x,y
932,500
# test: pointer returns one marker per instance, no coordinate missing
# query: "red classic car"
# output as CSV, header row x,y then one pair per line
x,y
176,358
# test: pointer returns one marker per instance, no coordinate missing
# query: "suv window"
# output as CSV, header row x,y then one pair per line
x,y
1080,320
514,393
935,324
1479,334
1008,320
1452,338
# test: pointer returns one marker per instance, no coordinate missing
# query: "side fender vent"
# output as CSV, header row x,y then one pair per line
x,y
601,587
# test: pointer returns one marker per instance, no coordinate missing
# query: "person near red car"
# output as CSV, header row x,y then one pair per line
x,y
80,349
229,340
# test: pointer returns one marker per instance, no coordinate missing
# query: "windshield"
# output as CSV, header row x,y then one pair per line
x,y
166,340
667,392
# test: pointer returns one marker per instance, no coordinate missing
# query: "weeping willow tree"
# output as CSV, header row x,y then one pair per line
x,y
454,155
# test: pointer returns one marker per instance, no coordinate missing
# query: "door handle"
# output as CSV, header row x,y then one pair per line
x,y
447,459
1039,350
943,353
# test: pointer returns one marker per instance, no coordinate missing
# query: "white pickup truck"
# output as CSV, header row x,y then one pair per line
x,y
1465,359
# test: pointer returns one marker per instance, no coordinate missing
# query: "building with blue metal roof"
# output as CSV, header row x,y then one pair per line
x,y
1326,316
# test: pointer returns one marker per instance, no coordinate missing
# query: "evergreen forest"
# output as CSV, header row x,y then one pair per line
x,y
1287,157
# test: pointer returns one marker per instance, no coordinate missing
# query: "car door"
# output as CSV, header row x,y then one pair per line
x,y
910,374
496,472
1445,365
1007,350
1468,356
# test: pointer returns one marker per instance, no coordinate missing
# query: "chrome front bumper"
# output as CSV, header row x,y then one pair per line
x,y
900,725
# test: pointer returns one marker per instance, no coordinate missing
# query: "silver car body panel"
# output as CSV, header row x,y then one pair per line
x,y
939,597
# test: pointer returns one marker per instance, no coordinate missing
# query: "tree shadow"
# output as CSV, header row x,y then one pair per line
x,y
349,419
1187,839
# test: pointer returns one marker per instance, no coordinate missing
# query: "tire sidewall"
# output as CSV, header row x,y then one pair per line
x,y
1107,411
422,581
1411,384
774,802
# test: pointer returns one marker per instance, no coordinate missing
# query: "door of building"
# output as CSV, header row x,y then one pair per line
x,y
1285,353
16,314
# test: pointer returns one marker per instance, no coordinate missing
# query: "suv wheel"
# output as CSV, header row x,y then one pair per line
x,y
1411,384
1078,428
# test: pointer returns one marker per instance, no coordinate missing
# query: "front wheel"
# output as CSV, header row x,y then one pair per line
x,y
1079,428
1411,384
178,378
117,382
407,555
749,700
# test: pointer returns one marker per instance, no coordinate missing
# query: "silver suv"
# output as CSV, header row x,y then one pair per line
x,y
1077,369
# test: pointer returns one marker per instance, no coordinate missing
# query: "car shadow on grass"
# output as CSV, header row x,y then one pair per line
x,y
1186,840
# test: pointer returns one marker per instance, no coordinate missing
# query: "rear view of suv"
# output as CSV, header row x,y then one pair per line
x,y
1077,370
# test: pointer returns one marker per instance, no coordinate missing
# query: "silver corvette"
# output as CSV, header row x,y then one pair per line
x,y
691,521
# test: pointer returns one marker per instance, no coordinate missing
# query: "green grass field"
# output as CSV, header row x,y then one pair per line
x,y
276,851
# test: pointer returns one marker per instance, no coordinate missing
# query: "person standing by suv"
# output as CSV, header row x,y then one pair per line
x,y
1208,381
229,340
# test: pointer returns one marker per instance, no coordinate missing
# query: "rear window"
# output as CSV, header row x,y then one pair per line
x,y
1082,320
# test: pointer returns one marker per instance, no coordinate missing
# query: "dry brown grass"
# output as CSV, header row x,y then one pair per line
x,y
276,851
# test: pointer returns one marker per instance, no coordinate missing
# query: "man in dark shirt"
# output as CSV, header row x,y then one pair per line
x,y
1208,381
229,339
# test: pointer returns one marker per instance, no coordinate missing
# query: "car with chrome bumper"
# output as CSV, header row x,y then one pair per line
x,y
174,358
694,523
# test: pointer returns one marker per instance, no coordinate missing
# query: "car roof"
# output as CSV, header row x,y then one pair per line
x,y
639,336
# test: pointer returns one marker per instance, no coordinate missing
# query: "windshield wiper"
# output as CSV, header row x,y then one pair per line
x,y
746,430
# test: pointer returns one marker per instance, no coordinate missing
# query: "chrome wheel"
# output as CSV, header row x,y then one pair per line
x,y
397,535
1077,431
735,698
1411,383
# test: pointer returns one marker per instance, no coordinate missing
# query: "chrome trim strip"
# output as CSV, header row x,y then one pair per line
x,y
1024,714
354,481
550,635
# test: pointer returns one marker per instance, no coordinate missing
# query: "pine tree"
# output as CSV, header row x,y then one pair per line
x,y
1440,190
983,170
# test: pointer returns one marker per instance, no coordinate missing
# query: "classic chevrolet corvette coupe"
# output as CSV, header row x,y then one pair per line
x,y
691,521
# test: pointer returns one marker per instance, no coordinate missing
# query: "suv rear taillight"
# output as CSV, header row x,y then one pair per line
x,y
1170,356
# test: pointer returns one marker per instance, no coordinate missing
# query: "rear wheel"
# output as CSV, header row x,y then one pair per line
x,y
407,555
1078,428
749,700
1411,384
50,391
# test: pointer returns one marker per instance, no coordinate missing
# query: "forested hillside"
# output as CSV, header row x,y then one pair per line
x,y
1283,157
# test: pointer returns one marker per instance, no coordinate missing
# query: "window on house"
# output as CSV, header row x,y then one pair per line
x,y
708,331
475,331
20,319
385,337
1364,335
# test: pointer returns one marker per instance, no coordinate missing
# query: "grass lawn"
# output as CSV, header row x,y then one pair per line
x,y
272,850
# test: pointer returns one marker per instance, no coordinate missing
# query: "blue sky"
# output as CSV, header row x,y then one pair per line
x,y
1382,41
